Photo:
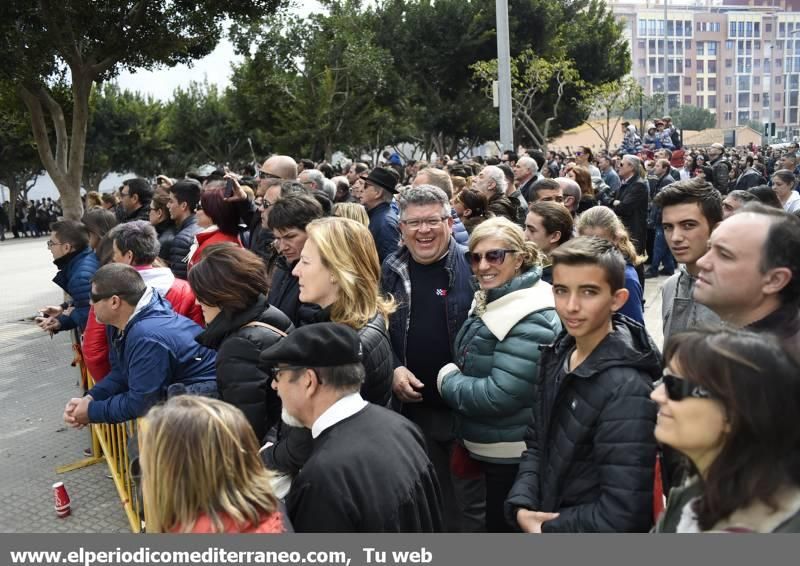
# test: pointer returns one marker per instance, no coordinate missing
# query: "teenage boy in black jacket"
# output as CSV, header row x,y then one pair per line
x,y
591,452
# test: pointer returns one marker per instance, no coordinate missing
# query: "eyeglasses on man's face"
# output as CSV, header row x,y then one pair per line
x,y
97,297
51,243
275,371
417,223
265,175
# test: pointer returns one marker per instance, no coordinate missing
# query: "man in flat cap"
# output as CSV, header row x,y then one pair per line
x,y
368,470
380,186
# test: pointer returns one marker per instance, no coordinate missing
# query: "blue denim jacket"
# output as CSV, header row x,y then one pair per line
x,y
395,280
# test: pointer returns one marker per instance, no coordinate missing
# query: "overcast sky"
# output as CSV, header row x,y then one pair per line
x,y
216,67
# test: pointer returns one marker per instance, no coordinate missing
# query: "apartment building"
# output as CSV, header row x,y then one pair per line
x,y
740,59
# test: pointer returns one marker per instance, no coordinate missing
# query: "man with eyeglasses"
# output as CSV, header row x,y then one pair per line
x,y
77,264
153,352
134,198
278,167
379,189
368,471
431,280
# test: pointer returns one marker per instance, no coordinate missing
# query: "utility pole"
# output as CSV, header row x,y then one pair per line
x,y
666,76
504,75
770,46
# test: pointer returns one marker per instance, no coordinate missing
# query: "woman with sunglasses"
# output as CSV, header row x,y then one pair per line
x,y
490,385
729,401
201,472
161,221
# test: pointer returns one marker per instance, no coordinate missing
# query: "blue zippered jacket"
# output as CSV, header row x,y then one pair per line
x,y
157,349
76,279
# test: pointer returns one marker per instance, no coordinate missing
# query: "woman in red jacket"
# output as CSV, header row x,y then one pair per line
x,y
201,472
219,220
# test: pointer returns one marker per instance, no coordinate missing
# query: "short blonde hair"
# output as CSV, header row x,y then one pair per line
x,y
348,251
200,457
513,237
351,210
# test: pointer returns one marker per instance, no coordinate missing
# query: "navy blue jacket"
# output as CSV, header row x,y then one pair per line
x,y
459,230
385,229
75,277
181,244
157,349
395,280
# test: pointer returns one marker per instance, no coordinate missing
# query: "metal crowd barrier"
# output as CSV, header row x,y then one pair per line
x,y
110,443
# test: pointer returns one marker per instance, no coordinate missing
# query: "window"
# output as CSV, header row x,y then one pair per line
x,y
756,98
687,81
767,28
728,81
743,100
757,45
756,80
679,28
687,99
712,101
700,66
732,29
700,102
688,43
767,66
673,101
653,68
756,115
743,117
728,116
728,63
701,48
743,83
778,114
749,29
715,26
651,27
712,66
712,47
671,28
728,98
674,84
642,62
765,100
642,44
778,80
687,26
782,28
687,63
777,97
658,84
700,84
756,63
712,83
729,44
740,29
778,62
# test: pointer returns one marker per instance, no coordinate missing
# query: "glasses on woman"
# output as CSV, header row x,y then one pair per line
x,y
493,257
679,388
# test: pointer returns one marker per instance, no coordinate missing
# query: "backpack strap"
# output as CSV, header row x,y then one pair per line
x,y
260,324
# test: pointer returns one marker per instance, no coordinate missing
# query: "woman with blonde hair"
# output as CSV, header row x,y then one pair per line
x,y
201,472
490,385
601,221
339,271
351,210
93,200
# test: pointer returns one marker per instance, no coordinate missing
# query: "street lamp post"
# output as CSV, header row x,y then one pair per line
x,y
504,75
666,76
769,47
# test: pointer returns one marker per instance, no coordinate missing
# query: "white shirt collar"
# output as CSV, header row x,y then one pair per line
x,y
345,407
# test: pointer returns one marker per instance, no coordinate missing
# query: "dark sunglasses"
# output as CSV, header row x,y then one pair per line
x,y
678,388
265,175
97,298
493,257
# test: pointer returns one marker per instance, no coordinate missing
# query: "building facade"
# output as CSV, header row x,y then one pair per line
x,y
738,59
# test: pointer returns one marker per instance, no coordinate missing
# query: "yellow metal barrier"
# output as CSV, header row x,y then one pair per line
x,y
110,442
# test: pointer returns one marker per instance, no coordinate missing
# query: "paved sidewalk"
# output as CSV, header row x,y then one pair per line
x,y
36,381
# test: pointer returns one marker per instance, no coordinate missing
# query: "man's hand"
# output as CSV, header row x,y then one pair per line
x,y
238,191
48,324
76,413
531,521
52,311
405,385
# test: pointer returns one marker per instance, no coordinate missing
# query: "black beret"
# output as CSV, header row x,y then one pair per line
x,y
322,344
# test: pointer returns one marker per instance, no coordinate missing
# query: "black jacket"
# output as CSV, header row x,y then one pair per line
x,y
721,170
591,451
141,213
240,380
285,294
166,234
181,244
632,210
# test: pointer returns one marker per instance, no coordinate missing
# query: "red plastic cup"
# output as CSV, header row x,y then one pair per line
x,y
62,502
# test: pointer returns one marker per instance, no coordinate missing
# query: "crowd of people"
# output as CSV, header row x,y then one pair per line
x,y
454,346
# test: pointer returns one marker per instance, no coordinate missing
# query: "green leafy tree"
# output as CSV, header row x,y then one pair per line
x,y
607,103
81,42
689,117
125,134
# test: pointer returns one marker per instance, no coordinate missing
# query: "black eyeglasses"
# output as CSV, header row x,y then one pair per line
x,y
265,175
97,298
276,370
678,388
493,257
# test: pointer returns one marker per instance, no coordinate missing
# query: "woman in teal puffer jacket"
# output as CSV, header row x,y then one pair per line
x,y
490,386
